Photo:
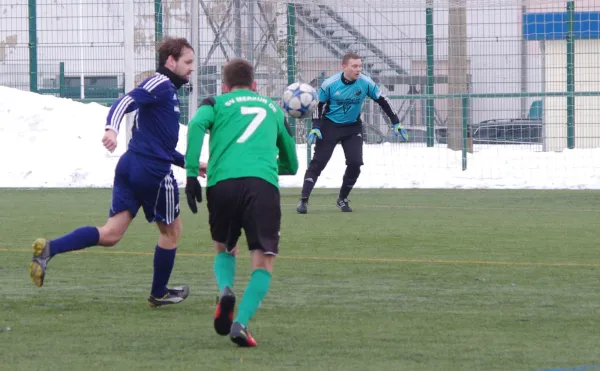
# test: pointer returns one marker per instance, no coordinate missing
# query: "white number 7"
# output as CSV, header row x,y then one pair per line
x,y
260,113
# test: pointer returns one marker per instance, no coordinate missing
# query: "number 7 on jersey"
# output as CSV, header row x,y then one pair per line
x,y
260,115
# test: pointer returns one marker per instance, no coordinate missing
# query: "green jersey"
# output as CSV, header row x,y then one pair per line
x,y
248,138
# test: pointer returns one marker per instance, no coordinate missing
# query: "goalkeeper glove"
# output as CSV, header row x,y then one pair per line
x,y
315,132
400,130
193,193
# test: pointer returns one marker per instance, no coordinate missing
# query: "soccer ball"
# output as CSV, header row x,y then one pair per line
x,y
299,100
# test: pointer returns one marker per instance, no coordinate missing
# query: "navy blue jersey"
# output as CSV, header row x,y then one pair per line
x,y
156,125
344,99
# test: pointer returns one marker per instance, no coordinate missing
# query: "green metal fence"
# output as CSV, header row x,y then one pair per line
x,y
461,74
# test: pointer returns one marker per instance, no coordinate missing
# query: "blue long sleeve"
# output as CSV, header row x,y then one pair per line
x,y
118,110
178,159
153,91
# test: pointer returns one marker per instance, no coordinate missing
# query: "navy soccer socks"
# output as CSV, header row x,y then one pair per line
x,y
164,260
79,239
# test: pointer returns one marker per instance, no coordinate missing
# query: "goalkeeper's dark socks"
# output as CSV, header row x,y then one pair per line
x,y
164,260
224,269
307,187
345,191
78,239
257,289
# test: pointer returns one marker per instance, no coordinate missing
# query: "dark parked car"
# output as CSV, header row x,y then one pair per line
x,y
507,131
511,131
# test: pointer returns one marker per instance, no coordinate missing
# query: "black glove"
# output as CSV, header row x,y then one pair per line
x,y
193,193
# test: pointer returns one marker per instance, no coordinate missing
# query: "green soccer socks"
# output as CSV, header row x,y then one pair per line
x,y
257,289
224,268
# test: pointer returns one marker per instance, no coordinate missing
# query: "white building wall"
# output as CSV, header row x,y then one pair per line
x,y
587,78
587,109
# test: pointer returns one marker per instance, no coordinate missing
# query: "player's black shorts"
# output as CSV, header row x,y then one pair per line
x,y
251,204
333,132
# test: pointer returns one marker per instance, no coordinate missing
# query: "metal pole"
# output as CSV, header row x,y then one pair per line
x,y
250,25
570,75
457,69
291,43
291,67
524,59
430,104
465,122
193,99
61,79
33,67
544,128
238,28
80,39
158,25
129,58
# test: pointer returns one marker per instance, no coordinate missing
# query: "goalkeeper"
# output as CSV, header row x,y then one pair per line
x,y
250,145
337,120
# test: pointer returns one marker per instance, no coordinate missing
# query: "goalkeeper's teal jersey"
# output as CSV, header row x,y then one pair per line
x,y
248,138
344,99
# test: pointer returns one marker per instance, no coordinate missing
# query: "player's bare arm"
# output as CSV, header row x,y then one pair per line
x,y
203,166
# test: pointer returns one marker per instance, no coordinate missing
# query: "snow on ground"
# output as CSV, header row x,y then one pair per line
x,y
53,142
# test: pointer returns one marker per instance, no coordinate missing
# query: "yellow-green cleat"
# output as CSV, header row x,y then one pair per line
x,y
39,262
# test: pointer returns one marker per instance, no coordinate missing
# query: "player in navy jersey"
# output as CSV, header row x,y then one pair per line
x,y
143,176
337,120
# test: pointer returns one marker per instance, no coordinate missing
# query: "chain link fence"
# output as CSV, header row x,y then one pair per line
x,y
462,74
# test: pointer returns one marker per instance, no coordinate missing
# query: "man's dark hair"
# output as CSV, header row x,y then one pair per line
x,y
238,72
348,56
174,47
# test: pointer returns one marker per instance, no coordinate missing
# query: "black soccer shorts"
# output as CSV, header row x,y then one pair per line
x,y
251,204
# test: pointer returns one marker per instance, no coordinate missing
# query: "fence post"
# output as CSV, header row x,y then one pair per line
x,y
250,20
194,39
61,80
570,75
291,43
465,122
237,42
158,25
291,63
129,56
524,68
430,74
33,65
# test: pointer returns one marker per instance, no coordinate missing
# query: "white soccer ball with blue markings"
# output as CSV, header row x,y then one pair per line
x,y
299,100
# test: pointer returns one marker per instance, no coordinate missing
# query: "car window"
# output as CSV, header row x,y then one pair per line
x,y
481,133
535,133
512,133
